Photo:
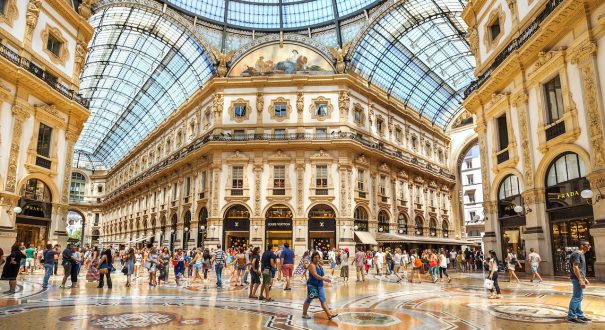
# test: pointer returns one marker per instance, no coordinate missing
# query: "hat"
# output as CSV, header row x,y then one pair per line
x,y
346,250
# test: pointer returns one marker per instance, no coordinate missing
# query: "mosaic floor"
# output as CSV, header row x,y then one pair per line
x,y
378,303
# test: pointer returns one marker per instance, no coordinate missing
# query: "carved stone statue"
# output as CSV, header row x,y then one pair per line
x,y
85,8
221,60
31,17
339,54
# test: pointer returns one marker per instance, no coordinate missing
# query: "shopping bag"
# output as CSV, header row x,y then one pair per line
x,y
488,284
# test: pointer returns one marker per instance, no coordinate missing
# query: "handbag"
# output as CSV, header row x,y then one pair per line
x,y
125,270
147,264
103,271
312,292
488,284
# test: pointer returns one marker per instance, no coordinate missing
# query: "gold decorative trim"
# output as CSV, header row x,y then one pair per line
x,y
239,101
10,12
495,15
63,51
271,109
319,101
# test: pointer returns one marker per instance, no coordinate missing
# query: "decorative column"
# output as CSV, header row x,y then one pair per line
x,y
260,104
491,238
300,220
217,108
536,224
214,230
257,222
584,57
344,227
300,107
344,104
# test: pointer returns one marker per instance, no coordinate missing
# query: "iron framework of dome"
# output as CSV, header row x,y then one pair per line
x,y
144,62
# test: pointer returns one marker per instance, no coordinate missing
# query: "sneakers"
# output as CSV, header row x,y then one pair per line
x,y
584,318
575,320
306,316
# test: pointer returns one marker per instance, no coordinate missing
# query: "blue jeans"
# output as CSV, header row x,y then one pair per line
x,y
219,274
575,305
48,271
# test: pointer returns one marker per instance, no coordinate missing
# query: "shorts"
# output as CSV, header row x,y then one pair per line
x,y
534,268
29,262
321,294
255,278
332,265
197,267
287,270
241,267
66,269
267,278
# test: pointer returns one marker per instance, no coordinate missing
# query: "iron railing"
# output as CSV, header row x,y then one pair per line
x,y
340,136
555,130
514,45
45,76
502,157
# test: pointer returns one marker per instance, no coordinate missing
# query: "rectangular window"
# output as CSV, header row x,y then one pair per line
x,y
280,134
418,199
469,163
164,195
401,191
398,135
100,189
44,140
174,188
379,126
471,197
237,181
360,180
321,133
472,215
432,198
203,183
239,110
357,116
321,180
280,110
2,6
494,29
470,179
279,176
54,45
502,132
383,187
187,186
321,109
554,100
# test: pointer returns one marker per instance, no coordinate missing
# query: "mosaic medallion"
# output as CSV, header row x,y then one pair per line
x,y
367,319
125,320
528,312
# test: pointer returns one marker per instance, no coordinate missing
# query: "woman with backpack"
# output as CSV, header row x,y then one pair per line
x,y
105,268
206,263
240,261
511,264
417,266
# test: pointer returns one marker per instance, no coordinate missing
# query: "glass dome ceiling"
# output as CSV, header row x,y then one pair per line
x,y
273,14
143,63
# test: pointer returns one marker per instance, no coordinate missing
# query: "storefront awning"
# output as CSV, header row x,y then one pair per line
x,y
365,238
393,238
140,239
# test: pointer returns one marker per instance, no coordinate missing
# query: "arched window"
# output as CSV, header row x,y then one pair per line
x,y
360,217
77,188
433,227
565,168
36,190
509,195
418,226
383,221
445,227
402,224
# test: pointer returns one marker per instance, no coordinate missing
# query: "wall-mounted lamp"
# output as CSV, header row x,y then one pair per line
x,y
520,210
186,229
588,195
355,227
400,231
380,229
202,228
255,228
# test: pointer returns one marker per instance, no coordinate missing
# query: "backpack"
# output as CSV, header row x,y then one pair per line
x,y
389,257
417,262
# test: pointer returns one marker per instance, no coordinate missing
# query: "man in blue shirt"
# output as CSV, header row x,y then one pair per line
x,y
287,261
577,275
267,265
49,263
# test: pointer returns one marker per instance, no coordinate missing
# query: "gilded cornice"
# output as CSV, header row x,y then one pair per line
x,y
585,50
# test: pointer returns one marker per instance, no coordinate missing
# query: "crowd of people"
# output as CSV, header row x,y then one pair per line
x,y
274,266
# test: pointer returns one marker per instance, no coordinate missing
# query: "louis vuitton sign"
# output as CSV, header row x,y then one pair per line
x,y
322,225
236,225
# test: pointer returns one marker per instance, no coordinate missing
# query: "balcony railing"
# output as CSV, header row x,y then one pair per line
x,y
502,156
341,136
403,202
202,195
514,45
237,192
555,130
186,199
321,191
279,191
384,199
48,78
43,162
362,194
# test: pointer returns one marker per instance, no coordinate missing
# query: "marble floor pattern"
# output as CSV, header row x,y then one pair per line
x,y
379,303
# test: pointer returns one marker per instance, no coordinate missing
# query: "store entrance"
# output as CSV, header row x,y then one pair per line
x,y
566,236
236,227
29,233
278,225
322,229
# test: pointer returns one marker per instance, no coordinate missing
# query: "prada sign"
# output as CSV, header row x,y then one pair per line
x,y
236,225
322,225
279,224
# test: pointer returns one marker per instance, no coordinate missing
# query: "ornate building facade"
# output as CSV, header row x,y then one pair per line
x,y
42,52
539,106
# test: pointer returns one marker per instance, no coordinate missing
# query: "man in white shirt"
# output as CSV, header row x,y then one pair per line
x,y
379,261
453,258
534,260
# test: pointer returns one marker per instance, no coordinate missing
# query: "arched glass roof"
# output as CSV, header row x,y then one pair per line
x,y
418,54
140,68
273,14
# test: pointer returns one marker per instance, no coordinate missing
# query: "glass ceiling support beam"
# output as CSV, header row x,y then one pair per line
x,y
281,15
337,23
167,58
224,36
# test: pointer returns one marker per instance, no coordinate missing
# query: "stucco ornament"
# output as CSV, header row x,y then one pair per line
x,y
31,17
339,54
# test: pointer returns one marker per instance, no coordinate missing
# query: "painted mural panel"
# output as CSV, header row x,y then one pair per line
x,y
278,60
